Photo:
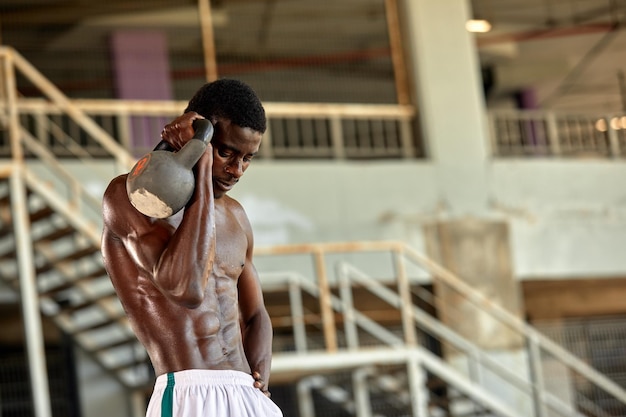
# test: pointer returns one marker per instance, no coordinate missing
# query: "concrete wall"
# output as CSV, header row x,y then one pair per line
x,y
567,217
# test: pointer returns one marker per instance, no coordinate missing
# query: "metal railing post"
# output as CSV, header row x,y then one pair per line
x,y
29,296
614,147
493,135
336,137
417,386
345,291
124,132
326,308
10,99
266,149
297,316
362,400
553,134
406,138
305,399
536,368
404,289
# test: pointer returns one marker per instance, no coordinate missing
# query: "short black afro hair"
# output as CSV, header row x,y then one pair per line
x,y
230,99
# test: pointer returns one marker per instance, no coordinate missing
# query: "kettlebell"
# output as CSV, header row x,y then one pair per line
x,y
162,182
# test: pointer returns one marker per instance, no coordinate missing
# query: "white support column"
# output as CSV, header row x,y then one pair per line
x,y
28,291
450,100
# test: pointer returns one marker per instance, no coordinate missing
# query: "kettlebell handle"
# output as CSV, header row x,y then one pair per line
x,y
203,130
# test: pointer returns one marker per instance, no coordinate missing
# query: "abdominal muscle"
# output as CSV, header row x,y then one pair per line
x,y
178,338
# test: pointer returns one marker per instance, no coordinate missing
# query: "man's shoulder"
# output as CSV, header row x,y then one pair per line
x,y
232,204
116,185
114,198
237,210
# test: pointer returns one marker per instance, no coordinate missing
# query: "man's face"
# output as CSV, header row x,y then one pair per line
x,y
233,150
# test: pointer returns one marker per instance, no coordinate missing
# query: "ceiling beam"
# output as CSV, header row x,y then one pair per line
x,y
72,13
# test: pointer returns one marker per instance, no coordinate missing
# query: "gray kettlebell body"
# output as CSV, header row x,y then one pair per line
x,y
162,182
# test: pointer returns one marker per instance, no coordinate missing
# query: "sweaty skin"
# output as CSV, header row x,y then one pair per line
x,y
187,283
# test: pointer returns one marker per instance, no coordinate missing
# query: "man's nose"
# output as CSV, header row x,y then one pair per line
x,y
235,169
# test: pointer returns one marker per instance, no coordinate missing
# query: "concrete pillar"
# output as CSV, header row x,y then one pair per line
x,y
451,107
478,252
450,99
450,102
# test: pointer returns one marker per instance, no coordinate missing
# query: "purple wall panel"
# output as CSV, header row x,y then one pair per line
x,y
140,65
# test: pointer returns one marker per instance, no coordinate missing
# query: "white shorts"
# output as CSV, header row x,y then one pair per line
x,y
197,392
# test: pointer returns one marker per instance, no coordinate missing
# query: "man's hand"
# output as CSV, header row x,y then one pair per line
x,y
180,130
260,384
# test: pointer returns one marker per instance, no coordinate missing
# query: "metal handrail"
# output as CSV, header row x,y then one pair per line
x,y
439,273
66,105
474,353
394,352
322,125
327,125
418,356
530,333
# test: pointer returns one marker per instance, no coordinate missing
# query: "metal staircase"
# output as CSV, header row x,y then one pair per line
x,y
396,359
50,227
72,285
442,372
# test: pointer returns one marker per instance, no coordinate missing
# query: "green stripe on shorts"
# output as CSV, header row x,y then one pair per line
x,y
167,402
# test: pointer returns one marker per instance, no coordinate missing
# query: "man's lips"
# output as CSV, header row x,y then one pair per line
x,y
225,184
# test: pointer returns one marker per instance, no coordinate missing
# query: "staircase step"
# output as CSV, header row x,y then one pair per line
x,y
12,254
41,214
5,199
130,365
116,344
56,235
111,320
98,273
81,253
6,229
87,303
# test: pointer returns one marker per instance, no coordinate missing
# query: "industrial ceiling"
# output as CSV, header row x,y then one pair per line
x,y
570,54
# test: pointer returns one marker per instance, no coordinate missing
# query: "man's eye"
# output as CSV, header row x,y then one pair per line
x,y
223,154
247,158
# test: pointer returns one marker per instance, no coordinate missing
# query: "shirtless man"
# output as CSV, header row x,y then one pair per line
x,y
187,283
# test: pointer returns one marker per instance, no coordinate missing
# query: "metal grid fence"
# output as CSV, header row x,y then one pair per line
x,y
601,343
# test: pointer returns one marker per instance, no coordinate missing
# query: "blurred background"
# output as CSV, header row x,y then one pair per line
x,y
438,202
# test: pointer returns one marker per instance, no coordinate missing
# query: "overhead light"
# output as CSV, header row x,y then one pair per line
x,y
478,26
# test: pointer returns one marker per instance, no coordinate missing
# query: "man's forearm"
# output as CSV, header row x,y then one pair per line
x,y
258,345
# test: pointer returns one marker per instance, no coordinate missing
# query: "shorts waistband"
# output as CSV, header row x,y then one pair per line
x,y
192,377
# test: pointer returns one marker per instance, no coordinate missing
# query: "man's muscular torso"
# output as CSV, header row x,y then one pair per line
x,y
208,336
